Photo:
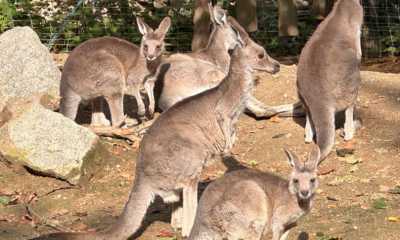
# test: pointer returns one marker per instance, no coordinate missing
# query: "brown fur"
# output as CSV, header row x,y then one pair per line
x,y
176,147
247,204
328,76
110,67
190,74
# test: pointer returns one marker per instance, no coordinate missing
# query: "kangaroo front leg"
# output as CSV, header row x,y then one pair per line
x,y
227,133
277,232
177,216
285,235
136,93
349,127
309,132
149,86
189,208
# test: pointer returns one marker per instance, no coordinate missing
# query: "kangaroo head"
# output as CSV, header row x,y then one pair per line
x,y
303,180
222,29
257,57
152,45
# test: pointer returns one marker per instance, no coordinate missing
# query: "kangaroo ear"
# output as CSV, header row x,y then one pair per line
x,y
292,158
164,26
314,158
143,27
243,36
218,15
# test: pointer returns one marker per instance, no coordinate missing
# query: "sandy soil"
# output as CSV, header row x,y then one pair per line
x,y
357,197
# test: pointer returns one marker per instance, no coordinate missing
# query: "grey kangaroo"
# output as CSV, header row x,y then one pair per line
x,y
328,76
186,75
180,142
110,67
248,204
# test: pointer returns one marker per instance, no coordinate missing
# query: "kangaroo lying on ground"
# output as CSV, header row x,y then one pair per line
x,y
185,75
247,204
110,67
328,75
176,147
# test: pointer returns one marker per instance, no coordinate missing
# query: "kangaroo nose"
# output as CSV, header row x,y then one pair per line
x,y
277,67
304,193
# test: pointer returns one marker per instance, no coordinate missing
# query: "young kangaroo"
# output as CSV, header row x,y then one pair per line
x,y
247,204
188,75
109,67
328,76
176,147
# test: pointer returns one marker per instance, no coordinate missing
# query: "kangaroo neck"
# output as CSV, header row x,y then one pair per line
x,y
217,52
236,88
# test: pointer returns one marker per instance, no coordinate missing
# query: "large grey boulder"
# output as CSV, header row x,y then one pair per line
x,y
26,67
46,141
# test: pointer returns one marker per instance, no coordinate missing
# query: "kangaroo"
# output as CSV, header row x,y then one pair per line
x,y
328,75
108,67
248,204
188,75
179,143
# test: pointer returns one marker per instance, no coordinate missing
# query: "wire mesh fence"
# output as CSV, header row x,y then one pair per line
x,y
65,24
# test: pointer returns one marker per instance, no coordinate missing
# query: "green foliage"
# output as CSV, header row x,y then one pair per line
x,y
7,11
380,203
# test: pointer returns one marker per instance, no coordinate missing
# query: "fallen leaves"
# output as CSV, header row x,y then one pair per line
x,y
393,219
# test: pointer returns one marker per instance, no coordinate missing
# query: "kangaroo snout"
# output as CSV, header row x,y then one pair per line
x,y
276,67
304,193
151,57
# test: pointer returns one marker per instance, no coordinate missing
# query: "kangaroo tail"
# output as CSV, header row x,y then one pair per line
x,y
127,224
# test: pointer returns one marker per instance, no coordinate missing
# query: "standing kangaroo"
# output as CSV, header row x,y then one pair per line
x,y
108,67
185,75
328,75
247,204
176,147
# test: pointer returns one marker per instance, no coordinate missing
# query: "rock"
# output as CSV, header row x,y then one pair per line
x,y
27,68
46,142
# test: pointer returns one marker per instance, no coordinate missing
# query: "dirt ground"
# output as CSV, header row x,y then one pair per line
x,y
358,198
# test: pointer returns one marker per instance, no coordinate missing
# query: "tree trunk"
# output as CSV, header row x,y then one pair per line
x,y
287,19
202,25
246,14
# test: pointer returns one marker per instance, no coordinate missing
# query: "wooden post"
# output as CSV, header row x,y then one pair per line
x,y
287,19
321,8
246,14
202,25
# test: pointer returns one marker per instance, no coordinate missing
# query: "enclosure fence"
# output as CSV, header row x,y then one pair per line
x,y
62,25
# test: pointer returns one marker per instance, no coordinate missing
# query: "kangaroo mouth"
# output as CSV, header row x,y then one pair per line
x,y
151,58
272,70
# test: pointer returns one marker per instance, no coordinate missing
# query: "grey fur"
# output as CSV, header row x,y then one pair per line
x,y
328,76
185,75
110,67
248,204
180,142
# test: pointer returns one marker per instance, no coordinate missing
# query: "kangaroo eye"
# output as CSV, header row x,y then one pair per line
x,y
158,46
146,47
312,180
295,180
261,55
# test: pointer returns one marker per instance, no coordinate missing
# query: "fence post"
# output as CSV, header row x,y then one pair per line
x,y
202,25
287,19
246,13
